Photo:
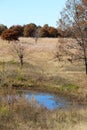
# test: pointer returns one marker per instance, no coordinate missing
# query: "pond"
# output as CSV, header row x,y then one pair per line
x,y
49,101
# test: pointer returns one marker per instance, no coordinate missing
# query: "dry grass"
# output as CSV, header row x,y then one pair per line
x,y
40,61
27,115
42,70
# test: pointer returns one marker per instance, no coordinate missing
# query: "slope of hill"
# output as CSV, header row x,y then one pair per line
x,y
51,61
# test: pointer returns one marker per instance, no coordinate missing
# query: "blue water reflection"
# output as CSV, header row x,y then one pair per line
x,y
46,100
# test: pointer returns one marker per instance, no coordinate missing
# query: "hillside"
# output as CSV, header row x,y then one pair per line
x,y
52,61
52,66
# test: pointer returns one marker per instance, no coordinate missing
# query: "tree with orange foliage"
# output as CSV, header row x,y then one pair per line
x,y
10,35
53,32
29,30
18,28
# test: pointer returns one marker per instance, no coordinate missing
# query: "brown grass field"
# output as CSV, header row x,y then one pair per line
x,y
41,59
42,70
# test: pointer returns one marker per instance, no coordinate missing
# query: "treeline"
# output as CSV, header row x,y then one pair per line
x,y
31,30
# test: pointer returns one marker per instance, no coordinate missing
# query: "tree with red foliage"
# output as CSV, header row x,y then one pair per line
x,y
10,35
53,32
18,28
29,30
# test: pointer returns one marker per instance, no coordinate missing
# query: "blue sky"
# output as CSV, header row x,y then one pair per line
x,y
40,12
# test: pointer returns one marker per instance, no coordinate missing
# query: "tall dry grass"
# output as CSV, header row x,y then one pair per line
x,y
28,115
43,71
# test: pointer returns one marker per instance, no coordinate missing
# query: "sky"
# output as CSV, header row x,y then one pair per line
x,y
40,12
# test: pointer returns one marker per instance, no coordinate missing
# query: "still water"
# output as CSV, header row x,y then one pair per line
x,y
46,100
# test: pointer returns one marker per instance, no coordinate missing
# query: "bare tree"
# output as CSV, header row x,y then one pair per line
x,y
36,35
74,19
19,48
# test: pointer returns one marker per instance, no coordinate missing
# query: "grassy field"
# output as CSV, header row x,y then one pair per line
x,y
41,67
42,71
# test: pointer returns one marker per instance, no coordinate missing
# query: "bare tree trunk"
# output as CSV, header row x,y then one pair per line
x,y
86,65
85,58
21,61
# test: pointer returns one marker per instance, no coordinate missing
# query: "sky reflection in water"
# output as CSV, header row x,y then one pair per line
x,y
47,100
